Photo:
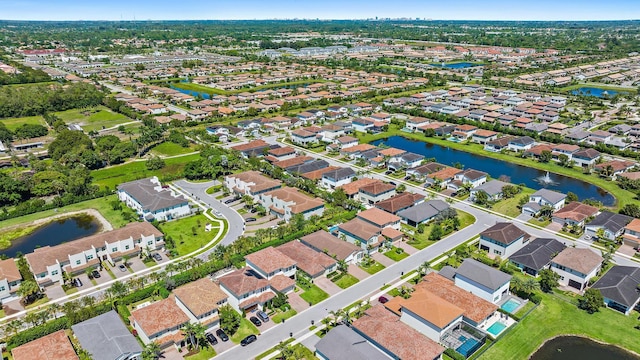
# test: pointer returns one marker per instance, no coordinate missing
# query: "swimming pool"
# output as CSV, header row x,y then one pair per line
x,y
511,305
468,347
496,328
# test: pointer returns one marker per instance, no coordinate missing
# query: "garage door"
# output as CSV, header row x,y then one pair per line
x,y
574,284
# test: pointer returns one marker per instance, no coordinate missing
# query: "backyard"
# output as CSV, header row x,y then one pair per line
x,y
555,317
509,207
13,123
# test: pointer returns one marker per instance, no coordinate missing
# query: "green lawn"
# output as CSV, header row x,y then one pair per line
x,y
171,149
246,328
205,353
346,280
116,175
273,349
394,255
13,123
182,232
210,90
93,119
509,207
623,197
38,302
314,295
277,318
373,268
421,241
543,223
556,317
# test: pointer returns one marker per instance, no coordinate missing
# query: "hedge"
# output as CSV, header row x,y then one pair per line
x,y
454,354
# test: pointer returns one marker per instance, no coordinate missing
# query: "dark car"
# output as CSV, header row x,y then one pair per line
x,y
211,339
382,300
229,201
157,257
250,219
222,335
392,183
263,316
248,340
95,274
388,172
255,321
253,211
77,282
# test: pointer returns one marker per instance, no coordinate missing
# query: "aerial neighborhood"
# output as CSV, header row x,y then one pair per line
x,y
293,189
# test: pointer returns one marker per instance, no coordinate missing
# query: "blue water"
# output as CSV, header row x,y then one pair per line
x,y
460,65
192,93
468,347
592,91
510,305
517,174
496,328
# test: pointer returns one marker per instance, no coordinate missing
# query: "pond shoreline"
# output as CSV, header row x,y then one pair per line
x,y
583,337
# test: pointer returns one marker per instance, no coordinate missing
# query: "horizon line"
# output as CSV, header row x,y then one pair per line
x,y
327,19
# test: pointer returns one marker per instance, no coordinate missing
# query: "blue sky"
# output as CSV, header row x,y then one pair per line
x,y
323,9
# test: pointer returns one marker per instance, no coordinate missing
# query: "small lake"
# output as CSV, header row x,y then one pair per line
x,y
578,348
459,65
518,174
193,93
54,233
593,91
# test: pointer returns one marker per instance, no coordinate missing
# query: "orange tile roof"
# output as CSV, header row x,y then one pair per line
x,y
634,225
576,211
9,270
378,217
358,148
259,181
377,188
583,260
445,174
55,346
353,188
159,316
201,296
242,281
270,260
292,162
428,306
317,174
251,145
391,152
307,259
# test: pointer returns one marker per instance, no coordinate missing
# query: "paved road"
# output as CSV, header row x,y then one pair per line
x,y
235,220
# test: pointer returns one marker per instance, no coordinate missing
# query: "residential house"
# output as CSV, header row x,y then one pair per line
x,y
443,177
309,261
287,202
53,346
521,144
576,266
270,262
631,236
376,192
619,287
303,137
482,136
282,153
352,189
343,343
10,278
200,300
414,123
473,178
362,125
106,337
503,239
361,233
379,218
400,202
464,132
612,225
422,212
406,161
482,280
248,291
421,172
323,242
337,178
152,201
586,157
536,255
345,142
251,183
499,144
492,188
613,168
381,327
564,149
574,214
49,262
159,322
542,198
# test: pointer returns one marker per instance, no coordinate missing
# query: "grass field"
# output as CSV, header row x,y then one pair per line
x,y
13,123
394,255
623,197
373,268
346,280
213,91
182,232
171,149
246,328
116,175
277,318
314,295
93,119
556,317
509,207
421,241
205,353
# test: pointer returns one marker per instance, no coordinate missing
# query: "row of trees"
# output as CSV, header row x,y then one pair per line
x,y
40,99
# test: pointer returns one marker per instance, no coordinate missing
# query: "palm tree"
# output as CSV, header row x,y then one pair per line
x,y
530,285
151,351
53,310
342,266
14,327
195,333
424,268
517,283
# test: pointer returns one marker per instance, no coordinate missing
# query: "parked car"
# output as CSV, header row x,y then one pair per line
x,y
77,282
392,183
382,300
255,321
157,257
254,210
222,335
122,267
388,172
211,339
248,340
95,274
250,219
229,201
263,316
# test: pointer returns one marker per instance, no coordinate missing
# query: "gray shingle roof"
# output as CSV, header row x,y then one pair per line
x,y
423,211
538,253
342,343
106,337
492,187
620,284
482,274
145,193
308,167
549,195
611,221
339,174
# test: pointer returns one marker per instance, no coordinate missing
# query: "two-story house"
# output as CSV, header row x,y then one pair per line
x,y
159,322
482,280
576,266
152,201
503,239
521,144
287,202
612,225
361,233
251,183
379,218
543,198
536,255
336,178
10,278
631,234
200,301
303,137
376,192
586,157
619,288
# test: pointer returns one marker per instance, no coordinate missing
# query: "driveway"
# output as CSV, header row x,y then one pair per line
x,y
406,247
627,250
86,283
117,272
264,225
357,272
297,302
554,226
327,285
15,306
524,217
379,257
171,353
136,264
104,277
54,292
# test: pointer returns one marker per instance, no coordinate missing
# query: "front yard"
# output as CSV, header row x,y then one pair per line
x,y
246,328
372,268
283,315
313,294
345,280
396,254
510,207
